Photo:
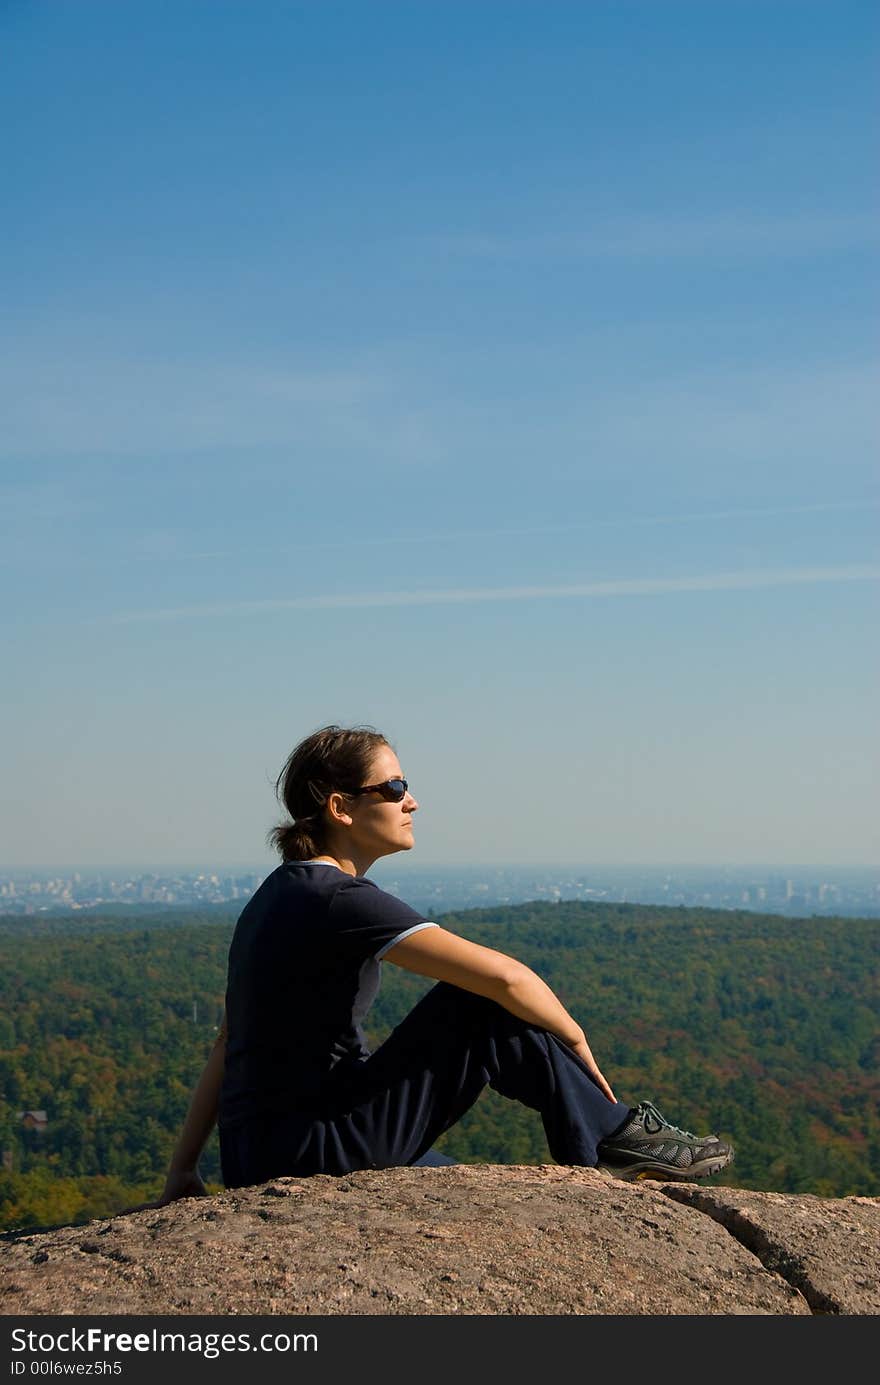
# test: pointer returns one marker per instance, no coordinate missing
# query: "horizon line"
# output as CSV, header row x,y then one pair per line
x,y
196,865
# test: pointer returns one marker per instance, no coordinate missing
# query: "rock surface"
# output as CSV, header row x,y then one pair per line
x,y
829,1248
459,1240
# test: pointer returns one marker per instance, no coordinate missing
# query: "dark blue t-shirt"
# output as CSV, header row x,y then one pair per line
x,y
303,972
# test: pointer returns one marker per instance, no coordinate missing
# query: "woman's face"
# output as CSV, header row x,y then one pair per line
x,y
379,827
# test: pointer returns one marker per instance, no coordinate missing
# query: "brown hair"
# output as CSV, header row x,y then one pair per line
x,y
334,758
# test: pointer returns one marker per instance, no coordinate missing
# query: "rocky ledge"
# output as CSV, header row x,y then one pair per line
x,y
459,1240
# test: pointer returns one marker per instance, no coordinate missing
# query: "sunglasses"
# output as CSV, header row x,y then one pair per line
x,y
392,790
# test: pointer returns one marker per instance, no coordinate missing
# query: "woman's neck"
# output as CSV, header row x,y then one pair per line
x,y
326,858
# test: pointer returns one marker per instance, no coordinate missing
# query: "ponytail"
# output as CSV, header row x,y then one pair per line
x,y
295,841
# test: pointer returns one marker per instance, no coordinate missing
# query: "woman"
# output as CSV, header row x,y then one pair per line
x,y
297,1090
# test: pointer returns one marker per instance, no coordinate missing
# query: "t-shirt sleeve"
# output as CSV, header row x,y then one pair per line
x,y
367,921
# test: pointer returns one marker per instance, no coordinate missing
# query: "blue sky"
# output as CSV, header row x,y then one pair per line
x,y
501,375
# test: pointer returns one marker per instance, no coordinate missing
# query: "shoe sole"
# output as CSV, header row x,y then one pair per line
x,y
666,1173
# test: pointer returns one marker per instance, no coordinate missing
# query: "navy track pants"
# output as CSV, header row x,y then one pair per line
x,y
389,1109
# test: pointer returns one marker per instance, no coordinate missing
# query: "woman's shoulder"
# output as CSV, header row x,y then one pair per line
x,y
360,899
294,884
313,888
322,876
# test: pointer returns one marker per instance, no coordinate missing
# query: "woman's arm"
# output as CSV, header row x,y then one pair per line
x,y
443,955
183,1178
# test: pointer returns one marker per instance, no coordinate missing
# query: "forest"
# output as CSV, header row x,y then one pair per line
x,y
763,1029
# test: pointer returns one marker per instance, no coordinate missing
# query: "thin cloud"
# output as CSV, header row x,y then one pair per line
x,y
616,521
75,403
640,586
657,238
163,551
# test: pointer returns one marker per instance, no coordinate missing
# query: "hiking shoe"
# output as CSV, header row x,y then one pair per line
x,y
649,1147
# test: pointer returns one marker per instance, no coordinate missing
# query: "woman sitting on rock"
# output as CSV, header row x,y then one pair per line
x,y
298,1092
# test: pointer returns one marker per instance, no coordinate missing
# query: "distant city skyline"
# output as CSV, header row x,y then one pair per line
x,y
790,890
500,376
411,865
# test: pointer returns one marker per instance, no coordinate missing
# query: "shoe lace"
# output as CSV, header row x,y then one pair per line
x,y
653,1121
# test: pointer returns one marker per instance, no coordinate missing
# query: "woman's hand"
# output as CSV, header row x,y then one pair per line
x,y
178,1183
584,1052
182,1183
183,1178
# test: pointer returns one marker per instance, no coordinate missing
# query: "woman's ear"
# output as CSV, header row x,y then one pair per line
x,y
336,807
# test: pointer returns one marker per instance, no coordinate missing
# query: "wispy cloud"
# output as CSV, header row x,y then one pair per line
x,y
640,586
79,403
661,238
164,551
165,546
